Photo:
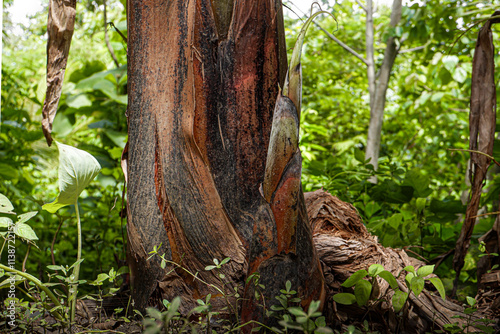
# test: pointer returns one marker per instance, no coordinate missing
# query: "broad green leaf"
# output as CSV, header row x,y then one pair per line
x,y
25,231
409,269
389,277
408,278
417,285
450,63
425,271
395,220
436,97
8,172
77,169
438,284
26,216
351,281
5,204
362,291
117,137
460,75
375,269
78,101
5,222
344,298
470,301
398,300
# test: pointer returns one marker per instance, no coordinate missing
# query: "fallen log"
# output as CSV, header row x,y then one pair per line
x,y
345,246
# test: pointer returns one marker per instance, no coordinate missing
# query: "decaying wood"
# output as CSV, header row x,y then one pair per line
x,y
344,246
482,122
60,26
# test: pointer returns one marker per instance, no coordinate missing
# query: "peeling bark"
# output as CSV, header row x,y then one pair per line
x,y
482,122
60,26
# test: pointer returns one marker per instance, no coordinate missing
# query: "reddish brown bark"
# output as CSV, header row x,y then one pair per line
x,y
201,100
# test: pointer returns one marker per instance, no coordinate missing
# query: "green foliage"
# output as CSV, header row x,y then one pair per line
x,y
77,169
415,281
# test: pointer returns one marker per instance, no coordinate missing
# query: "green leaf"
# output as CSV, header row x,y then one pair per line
x,y
375,269
460,75
417,285
409,269
389,277
25,231
101,278
5,204
344,298
313,307
438,284
25,217
471,301
77,169
351,281
362,291
425,270
450,63
420,203
5,222
398,300
297,311
53,267
78,101
117,137
8,172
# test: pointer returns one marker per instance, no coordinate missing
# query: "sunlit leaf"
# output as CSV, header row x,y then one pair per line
x,y
77,169
5,204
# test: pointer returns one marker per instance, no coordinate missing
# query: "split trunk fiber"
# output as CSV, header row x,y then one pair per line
x,y
204,78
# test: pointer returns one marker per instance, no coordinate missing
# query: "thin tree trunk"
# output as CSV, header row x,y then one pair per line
x,y
370,62
106,35
378,97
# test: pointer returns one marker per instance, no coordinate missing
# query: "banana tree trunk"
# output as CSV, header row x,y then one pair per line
x,y
203,78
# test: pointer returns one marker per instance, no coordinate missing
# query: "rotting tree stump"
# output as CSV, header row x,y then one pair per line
x,y
345,246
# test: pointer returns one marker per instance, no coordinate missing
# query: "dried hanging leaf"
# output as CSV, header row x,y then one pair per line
x,y
482,121
60,27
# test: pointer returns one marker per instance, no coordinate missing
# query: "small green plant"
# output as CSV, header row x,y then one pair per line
x,y
481,324
77,169
292,317
415,281
24,232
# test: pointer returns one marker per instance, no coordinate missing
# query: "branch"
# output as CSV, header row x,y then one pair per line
x,y
412,49
342,44
361,5
477,152
106,37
